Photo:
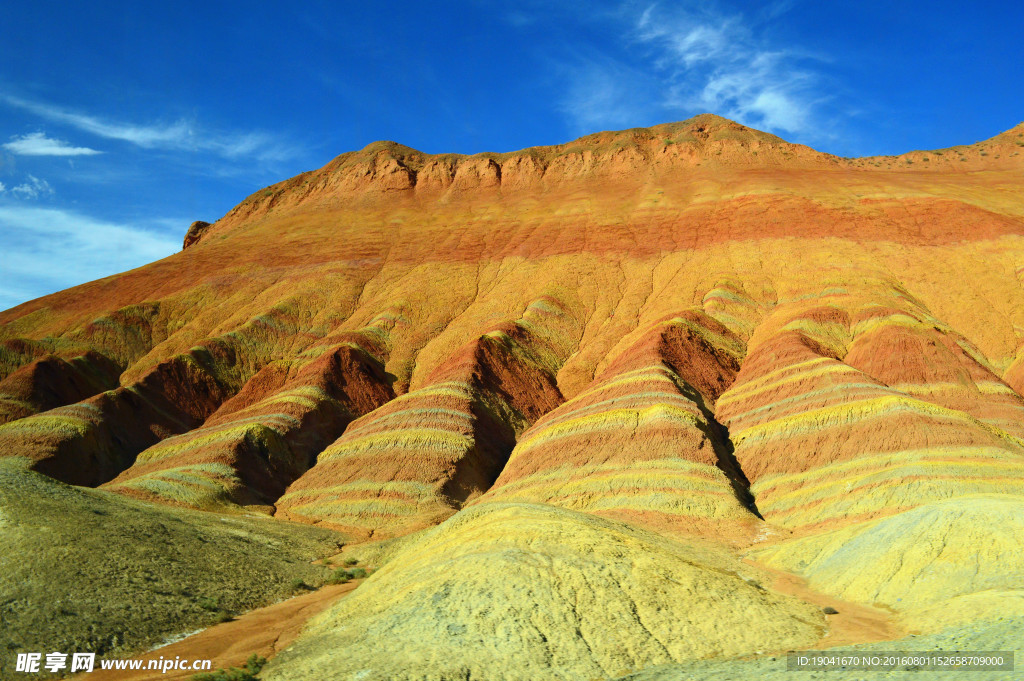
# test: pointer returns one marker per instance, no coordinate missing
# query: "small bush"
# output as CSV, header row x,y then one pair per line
x,y
298,585
342,575
351,561
339,576
207,603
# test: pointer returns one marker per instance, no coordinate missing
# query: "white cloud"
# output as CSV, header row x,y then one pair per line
x,y
33,188
38,144
178,135
717,64
2,188
687,62
47,250
603,93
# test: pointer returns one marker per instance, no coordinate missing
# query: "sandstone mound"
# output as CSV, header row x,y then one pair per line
x,y
53,382
939,564
641,444
864,448
521,591
247,455
416,460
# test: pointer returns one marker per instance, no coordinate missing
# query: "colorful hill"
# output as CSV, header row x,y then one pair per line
x,y
580,403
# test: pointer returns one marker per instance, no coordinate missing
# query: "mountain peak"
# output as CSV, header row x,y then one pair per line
x,y
389,168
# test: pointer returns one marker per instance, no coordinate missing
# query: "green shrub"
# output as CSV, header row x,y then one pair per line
x,y
207,603
339,576
343,575
351,561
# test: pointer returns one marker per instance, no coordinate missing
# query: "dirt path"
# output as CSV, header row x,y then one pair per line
x,y
853,623
264,632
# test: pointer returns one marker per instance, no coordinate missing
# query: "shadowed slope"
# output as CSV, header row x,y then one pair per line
x,y
416,460
641,444
90,442
250,454
53,382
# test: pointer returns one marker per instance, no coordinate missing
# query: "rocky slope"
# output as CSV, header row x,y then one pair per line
x,y
616,372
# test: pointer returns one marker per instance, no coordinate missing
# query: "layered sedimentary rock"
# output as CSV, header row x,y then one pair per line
x,y
675,343
90,442
53,382
525,591
247,454
863,448
418,459
641,443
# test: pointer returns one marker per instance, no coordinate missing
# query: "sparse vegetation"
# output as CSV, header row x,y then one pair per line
x,y
210,604
176,570
343,575
339,576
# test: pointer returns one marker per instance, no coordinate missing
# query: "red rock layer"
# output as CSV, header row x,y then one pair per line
x,y
419,458
824,442
92,441
53,382
640,443
248,453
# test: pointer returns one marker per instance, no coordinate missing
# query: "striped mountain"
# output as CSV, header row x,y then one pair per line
x,y
590,407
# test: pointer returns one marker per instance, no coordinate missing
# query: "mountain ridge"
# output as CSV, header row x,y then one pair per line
x,y
386,166
635,379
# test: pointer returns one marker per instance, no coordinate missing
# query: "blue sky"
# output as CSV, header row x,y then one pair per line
x,y
121,123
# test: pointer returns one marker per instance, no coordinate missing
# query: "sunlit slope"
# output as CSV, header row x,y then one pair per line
x,y
574,382
416,460
823,441
641,444
938,565
524,591
86,570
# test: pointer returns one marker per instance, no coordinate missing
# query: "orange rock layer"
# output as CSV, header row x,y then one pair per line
x,y
696,327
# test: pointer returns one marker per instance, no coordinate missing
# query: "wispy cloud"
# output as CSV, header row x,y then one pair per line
x,y
47,249
602,92
32,188
718,64
38,144
177,135
3,188
686,61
